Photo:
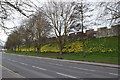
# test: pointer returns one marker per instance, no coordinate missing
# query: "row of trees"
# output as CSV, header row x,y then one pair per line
x,y
60,18
31,33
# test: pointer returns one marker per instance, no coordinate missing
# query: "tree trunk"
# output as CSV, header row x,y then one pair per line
x,y
40,48
83,36
29,48
65,38
65,34
15,49
60,44
34,49
37,51
26,51
83,43
18,48
60,48
84,54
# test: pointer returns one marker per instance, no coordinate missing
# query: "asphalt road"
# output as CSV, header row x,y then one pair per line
x,y
31,67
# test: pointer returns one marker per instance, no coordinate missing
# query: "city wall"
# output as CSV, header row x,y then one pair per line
x,y
89,34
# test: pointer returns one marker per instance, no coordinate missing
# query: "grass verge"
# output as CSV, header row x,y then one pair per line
x,y
111,58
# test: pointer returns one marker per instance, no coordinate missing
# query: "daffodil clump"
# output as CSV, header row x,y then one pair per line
x,y
103,45
50,48
28,49
73,47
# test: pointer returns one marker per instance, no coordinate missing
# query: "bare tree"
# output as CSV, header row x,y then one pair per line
x,y
8,7
13,41
59,16
110,13
41,28
82,20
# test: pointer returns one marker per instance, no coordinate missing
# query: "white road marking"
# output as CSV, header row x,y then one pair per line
x,y
50,63
41,61
12,54
84,69
20,55
56,64
9,59
113,74
92,70
17,61
59,64
65,75
23,63
116,66
13,61
38,68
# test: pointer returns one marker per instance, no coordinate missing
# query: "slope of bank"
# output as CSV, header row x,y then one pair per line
x,y
103,50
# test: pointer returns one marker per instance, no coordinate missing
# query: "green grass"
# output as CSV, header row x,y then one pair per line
x,y
105,44
104,50
111,58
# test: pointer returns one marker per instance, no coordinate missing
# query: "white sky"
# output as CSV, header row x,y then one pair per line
x,y
3,36
18,17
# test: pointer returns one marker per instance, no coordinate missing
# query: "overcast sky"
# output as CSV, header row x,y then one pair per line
x,y
17,18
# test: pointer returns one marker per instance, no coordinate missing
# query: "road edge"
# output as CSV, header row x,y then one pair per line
x,y
73,61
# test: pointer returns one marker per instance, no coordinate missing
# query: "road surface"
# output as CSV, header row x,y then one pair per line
x,y
32,67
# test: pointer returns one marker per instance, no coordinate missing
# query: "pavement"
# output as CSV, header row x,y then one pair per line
x,y
39,67
9,73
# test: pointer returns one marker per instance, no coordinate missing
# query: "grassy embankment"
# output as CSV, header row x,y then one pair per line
x,y
103,50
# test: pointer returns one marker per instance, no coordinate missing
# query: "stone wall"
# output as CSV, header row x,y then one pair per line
x,y
104,32
101,32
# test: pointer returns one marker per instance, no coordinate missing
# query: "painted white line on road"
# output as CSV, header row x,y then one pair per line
x,y
21,55
9,59
23,63
11,54
38,68
92,63
40,61
59,64
17,61
84,69
52,63
113,74
56,64
65,75
13,61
